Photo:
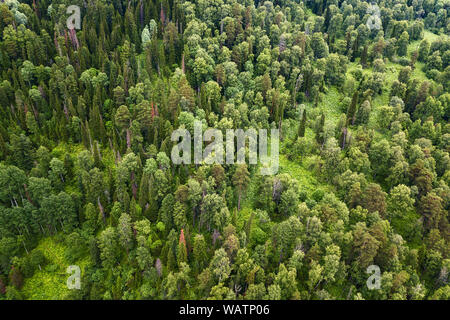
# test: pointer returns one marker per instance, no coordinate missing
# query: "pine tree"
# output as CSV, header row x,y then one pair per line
x,y
364,56
181,250
320,130
302,127
97,156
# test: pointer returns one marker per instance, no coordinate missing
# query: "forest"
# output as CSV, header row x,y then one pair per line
x,y
359,93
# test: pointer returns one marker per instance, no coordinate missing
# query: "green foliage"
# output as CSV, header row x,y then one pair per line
x,y
86,176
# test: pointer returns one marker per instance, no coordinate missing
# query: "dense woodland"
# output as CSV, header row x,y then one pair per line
x,y
86,177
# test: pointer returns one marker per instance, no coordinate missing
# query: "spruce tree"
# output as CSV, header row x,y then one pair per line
x,y
302,127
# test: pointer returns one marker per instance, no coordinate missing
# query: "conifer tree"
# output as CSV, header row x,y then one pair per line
x,y
302,127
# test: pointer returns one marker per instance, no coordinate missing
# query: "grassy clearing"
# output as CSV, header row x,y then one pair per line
x,y
330,104
50,282
307,179
427,35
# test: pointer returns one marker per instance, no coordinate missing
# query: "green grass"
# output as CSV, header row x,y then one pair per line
x,y
330,104
428,35
307,180
50,283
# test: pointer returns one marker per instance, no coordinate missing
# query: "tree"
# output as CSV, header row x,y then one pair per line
x,y
241,179
21,151
194,196
284,235
430,207
57,172
91,216
320,133
421,177
380,158
181,250
400,201
16,277
12,180
123,117
332,154
9,248
75,249
255,292
302,127
402,44
220,266
27,71
145,36
199,252
296,261
179,215
167,211
331,262
220,292
124,229
374,199
212,213
365,246
119,98
289,202
404,75
424,48
108,243
319,46
429,108
335,69
59,210
144,258
286,280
